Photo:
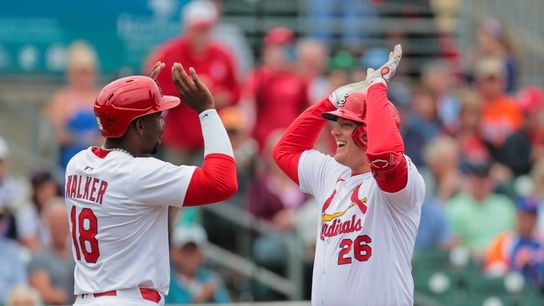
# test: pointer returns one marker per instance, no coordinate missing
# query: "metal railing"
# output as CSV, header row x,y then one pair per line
x,y
291,285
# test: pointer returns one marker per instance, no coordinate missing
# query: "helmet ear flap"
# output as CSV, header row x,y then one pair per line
x,y
358,135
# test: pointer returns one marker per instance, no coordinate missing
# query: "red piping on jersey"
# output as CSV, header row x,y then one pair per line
x,y
385,146
214,182
99,152
300,136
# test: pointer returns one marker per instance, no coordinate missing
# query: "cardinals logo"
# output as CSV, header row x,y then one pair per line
x,y
331,225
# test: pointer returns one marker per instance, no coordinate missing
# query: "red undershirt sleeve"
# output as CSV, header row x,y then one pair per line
x,y
214,182
300,136
385,151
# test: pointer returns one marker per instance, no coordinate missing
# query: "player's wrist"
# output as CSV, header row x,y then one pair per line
x,y
202,113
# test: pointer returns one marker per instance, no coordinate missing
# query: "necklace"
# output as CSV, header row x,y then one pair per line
x,y
117,149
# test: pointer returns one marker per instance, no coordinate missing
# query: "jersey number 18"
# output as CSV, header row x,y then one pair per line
x,y
88,227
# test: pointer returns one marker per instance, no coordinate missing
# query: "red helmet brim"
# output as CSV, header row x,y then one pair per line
x,y
168,102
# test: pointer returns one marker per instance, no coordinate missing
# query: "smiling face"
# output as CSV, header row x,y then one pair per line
x,y
348,153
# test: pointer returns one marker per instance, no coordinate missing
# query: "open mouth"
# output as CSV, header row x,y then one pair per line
x,y
340,144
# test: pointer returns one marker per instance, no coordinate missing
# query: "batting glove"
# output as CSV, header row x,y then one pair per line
x,y
387,71
339,95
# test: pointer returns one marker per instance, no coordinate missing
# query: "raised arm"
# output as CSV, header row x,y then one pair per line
x,y
300,136
216,180
385,151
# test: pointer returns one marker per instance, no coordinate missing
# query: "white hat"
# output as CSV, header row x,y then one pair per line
x,y
185,234
4,149
199,13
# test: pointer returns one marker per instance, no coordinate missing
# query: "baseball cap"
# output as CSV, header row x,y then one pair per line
x,y
489,67
4,149
528,204
200,14
279,36
184,235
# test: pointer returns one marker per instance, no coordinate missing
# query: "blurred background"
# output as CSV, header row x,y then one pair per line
x,y
469,92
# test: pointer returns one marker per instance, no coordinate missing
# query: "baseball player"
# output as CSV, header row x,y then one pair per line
x,y
370,194
118,196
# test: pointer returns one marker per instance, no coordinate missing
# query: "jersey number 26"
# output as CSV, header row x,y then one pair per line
x,y
361,249
88,227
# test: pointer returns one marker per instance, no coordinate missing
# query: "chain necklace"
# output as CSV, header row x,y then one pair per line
x,y
117,149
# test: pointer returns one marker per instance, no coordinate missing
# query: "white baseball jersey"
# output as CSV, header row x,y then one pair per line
x,y
365,237
118,210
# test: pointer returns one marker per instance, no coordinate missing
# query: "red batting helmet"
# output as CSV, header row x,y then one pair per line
x,y
125,99
352,109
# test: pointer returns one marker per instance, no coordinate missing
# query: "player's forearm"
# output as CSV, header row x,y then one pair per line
x,y
216,139
385,146
300,136
382,132
216,180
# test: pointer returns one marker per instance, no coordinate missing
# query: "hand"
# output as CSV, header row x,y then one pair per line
x,y
155,70
339,95
387,71
192,90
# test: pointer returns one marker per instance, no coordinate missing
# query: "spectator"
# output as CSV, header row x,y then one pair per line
x,y
70,111
478,215
520,250
494,39
215,66
438,77
245,148
353,20
274,90
23,296
12,269
537,190
532,102
312,57
422,125
273,197
233,38
468,133
32,230
51,271
12,196
501,115
442,177
190,282
220,231
441,183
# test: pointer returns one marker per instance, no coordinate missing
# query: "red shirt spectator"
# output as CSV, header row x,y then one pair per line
x,y
215,66
278,93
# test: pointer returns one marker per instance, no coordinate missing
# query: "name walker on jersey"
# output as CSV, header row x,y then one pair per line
x,y
86,188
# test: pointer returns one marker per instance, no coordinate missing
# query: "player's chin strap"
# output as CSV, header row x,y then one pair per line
x,y
358,135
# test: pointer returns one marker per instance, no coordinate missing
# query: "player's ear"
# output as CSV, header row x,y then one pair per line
x,y
139,125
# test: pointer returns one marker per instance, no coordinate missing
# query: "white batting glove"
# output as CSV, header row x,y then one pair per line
x,y
387,71
339,95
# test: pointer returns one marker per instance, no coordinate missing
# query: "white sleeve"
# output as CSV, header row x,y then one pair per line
x,y
155,182
317,173
216,139
410,197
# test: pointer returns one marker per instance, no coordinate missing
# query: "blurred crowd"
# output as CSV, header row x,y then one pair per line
x,y
475,132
